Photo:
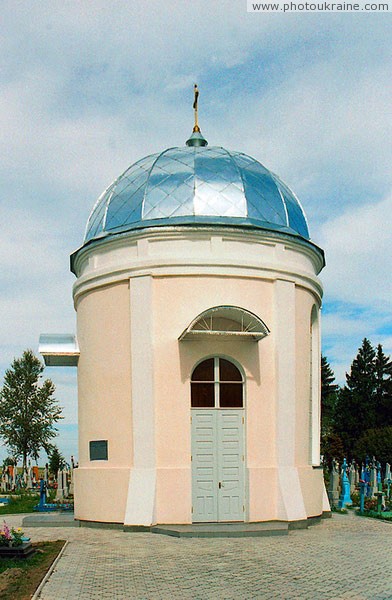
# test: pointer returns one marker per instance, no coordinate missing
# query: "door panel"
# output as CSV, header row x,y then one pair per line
x,y
230,465
217,465
204,472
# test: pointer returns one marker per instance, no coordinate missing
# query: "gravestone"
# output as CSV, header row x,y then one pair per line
x,y
29,481
366,470
71,482
42,493
65,483
36,476
345,498
60,490
333,490
351,477
379,480
387,479
373,480
357,476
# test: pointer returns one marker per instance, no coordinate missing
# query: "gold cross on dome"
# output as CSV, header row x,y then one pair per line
x,y
196,91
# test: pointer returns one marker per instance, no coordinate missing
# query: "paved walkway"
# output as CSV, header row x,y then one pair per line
x,y
343,558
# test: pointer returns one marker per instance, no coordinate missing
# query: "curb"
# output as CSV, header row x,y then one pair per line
x,y
48,574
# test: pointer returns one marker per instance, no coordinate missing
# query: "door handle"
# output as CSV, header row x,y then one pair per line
x,y
220,485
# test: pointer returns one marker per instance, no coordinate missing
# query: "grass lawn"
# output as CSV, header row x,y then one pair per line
x,y
385,516
22,504
19,578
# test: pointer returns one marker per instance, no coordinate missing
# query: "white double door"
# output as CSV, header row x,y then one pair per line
x,y
218,465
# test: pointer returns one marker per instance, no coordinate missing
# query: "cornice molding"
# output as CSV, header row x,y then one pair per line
x,y
272,257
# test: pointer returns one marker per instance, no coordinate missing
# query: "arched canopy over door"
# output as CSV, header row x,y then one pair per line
x,y
229,321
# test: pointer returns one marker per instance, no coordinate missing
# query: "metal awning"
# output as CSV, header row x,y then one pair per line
x,y
59,349
226,321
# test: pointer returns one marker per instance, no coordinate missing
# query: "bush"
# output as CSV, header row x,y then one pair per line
x,y
355,497
370,503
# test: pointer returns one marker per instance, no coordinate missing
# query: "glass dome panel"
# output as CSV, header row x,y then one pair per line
x,y
197,185
296,215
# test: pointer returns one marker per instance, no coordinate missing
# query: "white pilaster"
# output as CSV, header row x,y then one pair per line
x,y
140,509
316,388
284,330
290,498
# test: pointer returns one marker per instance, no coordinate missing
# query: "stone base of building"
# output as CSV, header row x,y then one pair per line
x,y
200,530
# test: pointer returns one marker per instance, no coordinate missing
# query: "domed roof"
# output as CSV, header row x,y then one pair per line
x,y
196,185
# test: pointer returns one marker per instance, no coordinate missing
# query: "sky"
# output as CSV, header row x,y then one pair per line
x,y
88,87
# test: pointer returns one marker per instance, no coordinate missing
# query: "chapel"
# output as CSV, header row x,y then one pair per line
x,y
197,347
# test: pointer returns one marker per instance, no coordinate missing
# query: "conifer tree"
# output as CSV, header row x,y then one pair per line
x,y
355,408
56,461
331,444
383,394
28,410
329,391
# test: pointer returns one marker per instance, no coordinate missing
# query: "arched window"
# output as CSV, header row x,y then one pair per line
x,y
216,383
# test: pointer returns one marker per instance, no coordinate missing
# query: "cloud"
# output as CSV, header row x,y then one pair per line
x,y
327,140
89,88
357,282
358,246
36,283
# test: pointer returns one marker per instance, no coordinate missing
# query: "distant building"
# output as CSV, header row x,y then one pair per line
x,y
198,346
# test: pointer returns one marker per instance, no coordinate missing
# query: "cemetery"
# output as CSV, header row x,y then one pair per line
x,y
366,486
36,489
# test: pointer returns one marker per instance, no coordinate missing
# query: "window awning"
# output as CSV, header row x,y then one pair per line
x,y
226,321
59,349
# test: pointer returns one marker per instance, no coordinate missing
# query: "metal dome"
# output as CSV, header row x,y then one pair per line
x,y
196,185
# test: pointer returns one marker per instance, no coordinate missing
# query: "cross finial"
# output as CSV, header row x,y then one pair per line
x,y
196,127
196,138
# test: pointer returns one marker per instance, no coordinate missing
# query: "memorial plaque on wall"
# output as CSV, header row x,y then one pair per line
x,y
99,450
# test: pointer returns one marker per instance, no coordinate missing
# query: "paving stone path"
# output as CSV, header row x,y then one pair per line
x,y
343,558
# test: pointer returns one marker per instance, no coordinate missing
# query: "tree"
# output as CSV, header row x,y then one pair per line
x,y
375,442
331,444
28,410
56,461
329,392
383,392
331,447
355,407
